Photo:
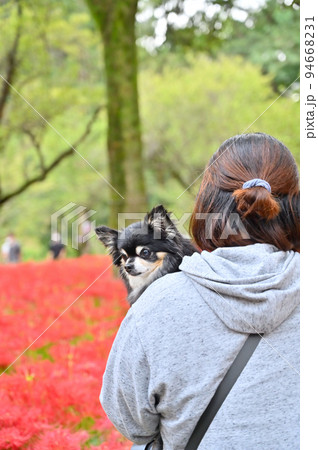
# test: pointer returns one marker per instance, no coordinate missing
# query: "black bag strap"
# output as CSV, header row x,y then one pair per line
x,y
223,390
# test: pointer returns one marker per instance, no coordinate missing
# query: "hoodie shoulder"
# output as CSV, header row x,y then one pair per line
x,y
251,288
162,292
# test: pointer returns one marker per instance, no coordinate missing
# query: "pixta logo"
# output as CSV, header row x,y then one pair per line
x,y
71,225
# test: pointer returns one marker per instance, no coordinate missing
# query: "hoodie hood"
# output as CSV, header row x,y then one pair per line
x,y
252,289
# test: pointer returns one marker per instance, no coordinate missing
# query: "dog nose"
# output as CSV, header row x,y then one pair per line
x,y
129,267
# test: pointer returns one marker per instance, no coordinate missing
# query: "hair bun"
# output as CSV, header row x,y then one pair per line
x,y
256,200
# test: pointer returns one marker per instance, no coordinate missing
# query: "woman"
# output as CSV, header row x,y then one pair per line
x,y
180,338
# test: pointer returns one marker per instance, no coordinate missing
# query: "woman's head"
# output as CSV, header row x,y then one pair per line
x,y
258,214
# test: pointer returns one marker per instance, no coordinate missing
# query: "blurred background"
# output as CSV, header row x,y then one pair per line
x,y
144,91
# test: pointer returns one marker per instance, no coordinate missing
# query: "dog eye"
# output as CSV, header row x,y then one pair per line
x,y
125,257
145,253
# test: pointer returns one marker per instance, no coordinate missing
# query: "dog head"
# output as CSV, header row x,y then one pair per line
x,y
140,248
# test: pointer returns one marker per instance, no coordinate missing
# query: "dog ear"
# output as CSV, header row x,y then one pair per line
x,y
159,220
107,236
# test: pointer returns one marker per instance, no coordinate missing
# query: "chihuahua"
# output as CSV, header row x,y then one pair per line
x,y
146,250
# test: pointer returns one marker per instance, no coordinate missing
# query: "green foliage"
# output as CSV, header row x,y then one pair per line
x,y
60,75
41,353
189,111
55,75
179,25
190,103
86,423
267,35
269,38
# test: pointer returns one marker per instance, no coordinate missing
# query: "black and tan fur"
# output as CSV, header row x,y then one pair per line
x,y
146,250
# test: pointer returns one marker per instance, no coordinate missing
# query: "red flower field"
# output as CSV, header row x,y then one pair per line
x,y
49,397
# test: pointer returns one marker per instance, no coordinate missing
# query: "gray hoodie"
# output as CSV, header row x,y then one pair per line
x,y
180,338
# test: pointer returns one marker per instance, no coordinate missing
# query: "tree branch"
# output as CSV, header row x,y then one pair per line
x,y
177,176
45,170
11,64
37,147
174,173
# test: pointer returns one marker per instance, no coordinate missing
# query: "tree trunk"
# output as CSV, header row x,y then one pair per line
x,y
116,22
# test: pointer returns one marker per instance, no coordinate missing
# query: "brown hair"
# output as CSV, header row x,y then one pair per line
x,y
267,217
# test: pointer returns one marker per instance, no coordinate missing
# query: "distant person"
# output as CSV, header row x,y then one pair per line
x,y
11,249
5,250
56,248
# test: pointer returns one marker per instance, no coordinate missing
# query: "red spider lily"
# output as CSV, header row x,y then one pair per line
x,y
50,396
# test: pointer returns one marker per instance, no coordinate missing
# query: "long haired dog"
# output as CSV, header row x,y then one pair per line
x,y
146,250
